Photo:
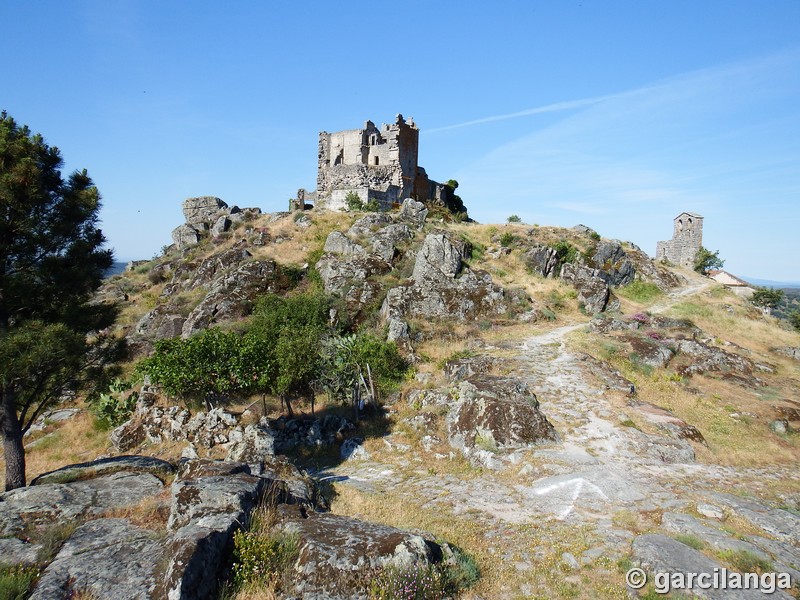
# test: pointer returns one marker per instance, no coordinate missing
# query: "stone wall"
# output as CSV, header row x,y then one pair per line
x,y
687,238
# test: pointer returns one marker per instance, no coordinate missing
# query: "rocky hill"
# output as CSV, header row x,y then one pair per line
x,y
571,410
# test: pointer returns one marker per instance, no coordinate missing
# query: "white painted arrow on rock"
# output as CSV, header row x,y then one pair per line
x,y
577,486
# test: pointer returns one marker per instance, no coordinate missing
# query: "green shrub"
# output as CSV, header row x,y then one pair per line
x,y
16,581
353,202
705,260
115,406
514,219
507,239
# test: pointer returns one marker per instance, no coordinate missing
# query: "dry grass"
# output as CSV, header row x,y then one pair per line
x,y
512,558
150,513
73,441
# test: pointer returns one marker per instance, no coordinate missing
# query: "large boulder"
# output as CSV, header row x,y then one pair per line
x,y
202,210
610,258
257,444
339,556
591,285
497,412
185,236
104,558
338,243
542,260
43,504
440,257
107,466
233,294
413,212
442,288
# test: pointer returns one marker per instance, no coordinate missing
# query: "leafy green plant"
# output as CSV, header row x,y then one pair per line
x,y
705,260
514,219
114,407
16,581
767,297
354,202
507,239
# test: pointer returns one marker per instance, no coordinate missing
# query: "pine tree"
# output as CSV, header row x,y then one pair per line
x,y
51,261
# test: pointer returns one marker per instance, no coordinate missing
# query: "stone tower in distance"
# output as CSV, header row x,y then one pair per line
x,y
687,238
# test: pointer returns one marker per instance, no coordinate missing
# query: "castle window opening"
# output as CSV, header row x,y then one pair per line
x,y
377,161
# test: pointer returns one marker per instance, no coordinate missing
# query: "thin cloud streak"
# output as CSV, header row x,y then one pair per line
x,y
555,107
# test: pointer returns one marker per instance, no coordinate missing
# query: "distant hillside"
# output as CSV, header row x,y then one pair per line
x,y
790,303
773,284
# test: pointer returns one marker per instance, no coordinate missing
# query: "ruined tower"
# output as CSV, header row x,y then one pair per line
x,y
377,164
687,238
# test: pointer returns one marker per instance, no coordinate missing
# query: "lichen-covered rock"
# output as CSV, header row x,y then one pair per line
x,y
47,503
339,243
199,498
413,212
339,556
185,236
463,368
440,257
203,209
705,358
220,226
353,449
106,466
610,258
385,241
105,558
498,412
591,284
541,260
257,444
233,295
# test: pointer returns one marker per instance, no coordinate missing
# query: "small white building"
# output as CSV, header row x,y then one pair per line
x,y
738,286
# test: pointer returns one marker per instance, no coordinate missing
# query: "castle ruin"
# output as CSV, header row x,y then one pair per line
x,y
687,238
377,164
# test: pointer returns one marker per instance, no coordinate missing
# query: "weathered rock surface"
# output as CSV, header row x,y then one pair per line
x,y
497,412
542,260
413,212
463,368
340,555
185,235
610,258
591,284
106,466
257,444
47,503
202,210
107,558
778,523
661,554
441,287
233,295
789,351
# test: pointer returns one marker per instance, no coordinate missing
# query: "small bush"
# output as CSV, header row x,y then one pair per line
x,y
353,202
507,239
514,219
16,581
155,276
115,406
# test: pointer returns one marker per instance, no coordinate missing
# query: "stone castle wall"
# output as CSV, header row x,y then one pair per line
x,y
375,163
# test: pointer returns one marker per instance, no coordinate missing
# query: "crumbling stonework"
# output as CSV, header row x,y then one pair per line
x,y
687,238
377,164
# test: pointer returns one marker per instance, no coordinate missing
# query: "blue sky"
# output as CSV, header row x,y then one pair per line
x,y
615,114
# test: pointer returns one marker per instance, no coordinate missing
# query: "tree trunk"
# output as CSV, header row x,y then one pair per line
x,y
12,443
